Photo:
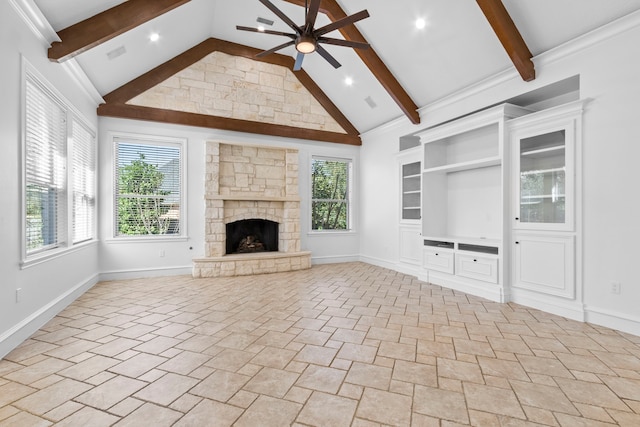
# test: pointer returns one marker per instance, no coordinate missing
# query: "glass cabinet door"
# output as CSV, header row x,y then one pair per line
x,y
544,180
411,182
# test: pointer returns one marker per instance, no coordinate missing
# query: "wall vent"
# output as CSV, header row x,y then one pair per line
x,y
116,52
370,102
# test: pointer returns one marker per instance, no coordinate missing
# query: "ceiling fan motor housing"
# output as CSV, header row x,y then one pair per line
x,y
305,43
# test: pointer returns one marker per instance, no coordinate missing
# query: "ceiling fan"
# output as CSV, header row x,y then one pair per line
x,y
305,38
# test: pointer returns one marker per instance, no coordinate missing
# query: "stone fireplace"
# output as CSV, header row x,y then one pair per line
x,y
246,187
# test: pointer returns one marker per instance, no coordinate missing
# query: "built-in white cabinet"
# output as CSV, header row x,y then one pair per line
x,y
410,233
465,188
546,224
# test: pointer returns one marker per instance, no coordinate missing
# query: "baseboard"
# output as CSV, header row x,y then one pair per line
x,y
141,273
487,290
333,259
613,320
378,262
408,269
555,305
23,330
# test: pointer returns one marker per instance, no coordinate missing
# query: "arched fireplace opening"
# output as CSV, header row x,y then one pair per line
x,y
252,235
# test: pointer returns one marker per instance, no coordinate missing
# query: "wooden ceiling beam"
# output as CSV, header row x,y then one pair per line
x,y
371,59
106,25
509,36
116,101
136,112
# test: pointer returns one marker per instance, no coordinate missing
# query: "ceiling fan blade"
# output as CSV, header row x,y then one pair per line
x,y
275,49
298,65
341,23
326,55
340,42
256,30
281,15
312,14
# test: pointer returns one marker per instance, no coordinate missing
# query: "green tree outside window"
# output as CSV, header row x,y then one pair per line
x,y
330,180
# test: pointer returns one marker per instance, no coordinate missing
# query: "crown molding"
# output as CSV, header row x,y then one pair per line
x,y
572,47
35,20
76,72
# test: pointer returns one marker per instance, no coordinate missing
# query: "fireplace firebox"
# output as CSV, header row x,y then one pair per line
x,y
252,235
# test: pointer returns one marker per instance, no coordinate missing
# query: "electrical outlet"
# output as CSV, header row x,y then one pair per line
x,y
18,294
616,287
161,253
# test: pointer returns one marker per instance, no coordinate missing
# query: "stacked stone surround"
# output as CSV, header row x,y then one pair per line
x,y
249,182
230,86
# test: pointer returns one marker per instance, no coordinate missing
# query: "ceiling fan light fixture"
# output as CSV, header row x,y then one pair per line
x,y
305,44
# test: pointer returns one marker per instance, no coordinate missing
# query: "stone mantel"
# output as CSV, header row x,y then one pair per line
x,y
251,198
251,182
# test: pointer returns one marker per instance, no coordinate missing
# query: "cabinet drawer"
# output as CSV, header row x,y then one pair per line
x,y
477,267
439,260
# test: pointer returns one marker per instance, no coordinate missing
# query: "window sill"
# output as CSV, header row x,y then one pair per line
x,y
43,257
332,233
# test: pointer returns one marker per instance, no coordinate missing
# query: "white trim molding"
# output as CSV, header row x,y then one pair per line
x,y
27,327
613,319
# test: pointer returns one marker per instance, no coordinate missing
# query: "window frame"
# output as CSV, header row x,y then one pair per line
x,y
65,243
151,140
349,199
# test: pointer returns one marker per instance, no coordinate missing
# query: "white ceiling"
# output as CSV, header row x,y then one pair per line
x,y
456,49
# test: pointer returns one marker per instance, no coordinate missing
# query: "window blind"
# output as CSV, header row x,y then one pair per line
x,y
148,188
84,186
45,169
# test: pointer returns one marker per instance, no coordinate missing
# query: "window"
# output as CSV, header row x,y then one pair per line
x,y
330,194
56,169
148,188
84,186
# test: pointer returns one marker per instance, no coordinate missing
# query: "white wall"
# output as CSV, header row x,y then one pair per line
x,y
609,73
48,286
142,258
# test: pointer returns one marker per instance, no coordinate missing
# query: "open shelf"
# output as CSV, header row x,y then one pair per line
x,y
472,164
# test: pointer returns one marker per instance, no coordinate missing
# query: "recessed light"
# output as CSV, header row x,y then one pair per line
x,y
261,28
348,81
421,23
154,37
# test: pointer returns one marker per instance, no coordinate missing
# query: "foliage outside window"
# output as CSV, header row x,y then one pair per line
x,y
330,194
148,188
59,165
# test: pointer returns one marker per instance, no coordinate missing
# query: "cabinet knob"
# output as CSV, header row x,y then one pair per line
x,y
517,243
475,260
517,219
437,254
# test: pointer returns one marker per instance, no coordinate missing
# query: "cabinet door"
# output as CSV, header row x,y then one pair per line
x,y
544,173
544,264
410,244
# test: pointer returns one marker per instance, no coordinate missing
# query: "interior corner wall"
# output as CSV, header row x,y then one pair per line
x,y
47,287
611,131
120,258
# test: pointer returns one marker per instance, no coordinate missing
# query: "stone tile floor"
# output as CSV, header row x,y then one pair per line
x,y
337,345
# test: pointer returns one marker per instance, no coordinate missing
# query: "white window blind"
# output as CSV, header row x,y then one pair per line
x,y
330,194
45,169
84,186
148,188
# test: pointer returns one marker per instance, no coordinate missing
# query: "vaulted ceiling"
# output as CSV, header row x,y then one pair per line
x,y
463,42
